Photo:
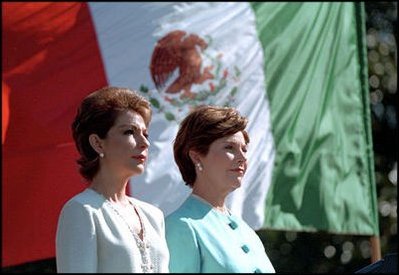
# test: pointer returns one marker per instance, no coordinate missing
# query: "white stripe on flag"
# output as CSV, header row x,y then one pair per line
x,y
127,34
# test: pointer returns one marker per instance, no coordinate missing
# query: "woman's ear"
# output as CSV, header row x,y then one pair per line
x,y
196,159
195,156
96,143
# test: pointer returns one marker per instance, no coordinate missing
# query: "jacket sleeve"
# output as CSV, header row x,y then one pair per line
x,y
185,255
76,244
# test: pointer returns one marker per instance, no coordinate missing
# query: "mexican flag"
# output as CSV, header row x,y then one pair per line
x,y
297,71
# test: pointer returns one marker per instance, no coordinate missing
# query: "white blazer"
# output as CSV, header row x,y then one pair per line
x,y
91,237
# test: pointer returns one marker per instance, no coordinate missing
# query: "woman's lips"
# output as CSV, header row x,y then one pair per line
x,y
241,171
140,158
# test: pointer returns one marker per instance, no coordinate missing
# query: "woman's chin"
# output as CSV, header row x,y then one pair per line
x,y
236,185
138,170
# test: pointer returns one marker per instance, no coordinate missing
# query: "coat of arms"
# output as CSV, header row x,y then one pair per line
x,y
181,78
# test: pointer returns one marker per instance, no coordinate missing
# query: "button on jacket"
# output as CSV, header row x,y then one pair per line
x,y
203,240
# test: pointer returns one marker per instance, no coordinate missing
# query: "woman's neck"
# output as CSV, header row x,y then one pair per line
x,y
112,188
213,198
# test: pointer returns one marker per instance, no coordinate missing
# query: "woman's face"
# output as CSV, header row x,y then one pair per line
x,y
225,164
126,145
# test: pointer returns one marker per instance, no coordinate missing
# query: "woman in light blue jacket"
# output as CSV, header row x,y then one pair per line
x,y
203,236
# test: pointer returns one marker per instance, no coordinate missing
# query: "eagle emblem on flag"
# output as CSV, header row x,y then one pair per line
x,y
179,50
188,72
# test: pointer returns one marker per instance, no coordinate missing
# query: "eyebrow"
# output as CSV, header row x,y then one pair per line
x,y
234,142
131,126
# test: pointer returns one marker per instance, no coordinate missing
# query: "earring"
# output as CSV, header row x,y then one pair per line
x,y
199,166
101,155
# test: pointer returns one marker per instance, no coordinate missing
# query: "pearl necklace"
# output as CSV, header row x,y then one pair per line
x,y
142,244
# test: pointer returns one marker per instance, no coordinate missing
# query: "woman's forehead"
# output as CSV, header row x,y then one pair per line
x,y
130,118
235,138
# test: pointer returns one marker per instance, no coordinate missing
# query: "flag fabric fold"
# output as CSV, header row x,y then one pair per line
x,y
50,61
323,177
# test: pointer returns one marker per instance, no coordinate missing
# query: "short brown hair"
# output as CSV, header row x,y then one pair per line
x,y
96,115
199,130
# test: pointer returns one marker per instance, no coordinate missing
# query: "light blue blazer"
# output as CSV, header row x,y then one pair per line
x,y
203,240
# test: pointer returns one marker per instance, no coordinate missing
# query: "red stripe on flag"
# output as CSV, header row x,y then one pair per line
x,y
5,110
51,60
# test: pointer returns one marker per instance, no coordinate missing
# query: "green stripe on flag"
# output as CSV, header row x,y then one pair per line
x,y
316,76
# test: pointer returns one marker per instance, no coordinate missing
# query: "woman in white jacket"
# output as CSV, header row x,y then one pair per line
x,y
102,229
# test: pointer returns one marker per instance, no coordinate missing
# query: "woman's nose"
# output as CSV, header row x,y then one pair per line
x,y
145,143
242,157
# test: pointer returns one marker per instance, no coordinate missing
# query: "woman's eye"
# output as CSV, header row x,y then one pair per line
x,y
228,147
129,132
